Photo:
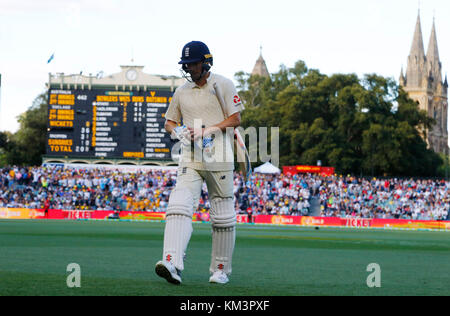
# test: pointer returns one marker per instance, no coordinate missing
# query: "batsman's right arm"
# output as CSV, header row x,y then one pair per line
x,y
170,126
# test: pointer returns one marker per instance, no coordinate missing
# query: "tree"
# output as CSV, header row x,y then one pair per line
x,y
3,144
360,126
27,145
3,140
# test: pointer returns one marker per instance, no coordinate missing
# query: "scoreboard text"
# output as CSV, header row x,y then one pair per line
x,y
108,124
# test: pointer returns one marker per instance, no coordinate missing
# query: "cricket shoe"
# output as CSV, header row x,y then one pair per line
x,y
167,270
219,277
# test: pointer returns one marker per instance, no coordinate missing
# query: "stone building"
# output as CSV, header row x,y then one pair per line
x,y
260,67
424,83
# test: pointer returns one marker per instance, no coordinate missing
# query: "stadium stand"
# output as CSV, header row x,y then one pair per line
x,y
71,188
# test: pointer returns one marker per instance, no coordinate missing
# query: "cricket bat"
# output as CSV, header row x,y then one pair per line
x,y
241,152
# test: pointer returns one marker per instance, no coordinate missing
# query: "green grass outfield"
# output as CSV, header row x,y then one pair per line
x,y
118,258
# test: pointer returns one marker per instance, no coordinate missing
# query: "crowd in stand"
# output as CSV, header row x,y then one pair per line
x,y
72,188
385,198
85,189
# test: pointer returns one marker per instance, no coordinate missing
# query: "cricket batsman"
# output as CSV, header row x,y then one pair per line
x,y
200,116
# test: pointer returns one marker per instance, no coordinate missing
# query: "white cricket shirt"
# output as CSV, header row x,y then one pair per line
x,y
195,106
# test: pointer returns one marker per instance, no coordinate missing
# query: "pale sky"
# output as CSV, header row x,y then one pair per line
x,y
345,36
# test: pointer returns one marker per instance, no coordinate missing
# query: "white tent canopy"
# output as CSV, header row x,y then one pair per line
x,y
267,168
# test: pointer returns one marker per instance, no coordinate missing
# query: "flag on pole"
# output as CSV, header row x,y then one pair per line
x,y
51,58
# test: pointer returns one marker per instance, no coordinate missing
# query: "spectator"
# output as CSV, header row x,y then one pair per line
x,y
149,190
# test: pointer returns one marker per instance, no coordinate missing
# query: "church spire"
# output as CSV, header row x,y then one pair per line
x,y
433,61
417,48
260,66
402,79
416,61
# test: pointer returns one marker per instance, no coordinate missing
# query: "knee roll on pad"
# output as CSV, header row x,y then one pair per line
x,y
181,202
223,215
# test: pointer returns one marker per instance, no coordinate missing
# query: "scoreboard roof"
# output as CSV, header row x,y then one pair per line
x,y
129,78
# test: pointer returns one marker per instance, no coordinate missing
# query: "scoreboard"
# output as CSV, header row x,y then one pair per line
x,y
108,123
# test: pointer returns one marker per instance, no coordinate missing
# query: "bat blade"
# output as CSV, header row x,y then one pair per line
x,y
242,156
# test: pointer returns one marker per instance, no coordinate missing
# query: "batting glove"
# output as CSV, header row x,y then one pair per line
x,y
182,134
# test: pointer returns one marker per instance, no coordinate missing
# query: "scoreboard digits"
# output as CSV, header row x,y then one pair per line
x,y
108,124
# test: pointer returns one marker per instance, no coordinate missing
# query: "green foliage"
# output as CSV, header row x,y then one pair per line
x,y
444,168
3,139
3,144
27,145
361,126
7,145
